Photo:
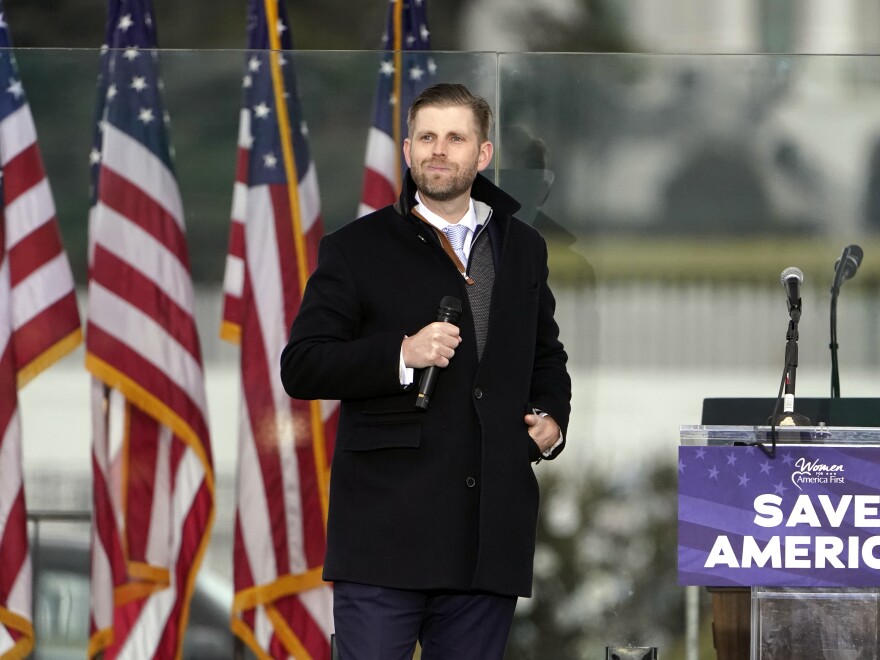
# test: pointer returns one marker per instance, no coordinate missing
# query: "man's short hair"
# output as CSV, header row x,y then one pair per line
x,y
449,95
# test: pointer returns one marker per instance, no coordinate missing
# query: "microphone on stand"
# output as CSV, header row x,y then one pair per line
x,y
791,279
844,268
448,312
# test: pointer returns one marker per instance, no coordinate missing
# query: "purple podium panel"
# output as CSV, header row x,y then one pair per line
x,y
809,517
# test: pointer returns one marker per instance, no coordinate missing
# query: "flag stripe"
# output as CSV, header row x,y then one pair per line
x,y
159,356
17,133
39,248
377,191
128,283
34,345
124,197
22,173
28,302
134,162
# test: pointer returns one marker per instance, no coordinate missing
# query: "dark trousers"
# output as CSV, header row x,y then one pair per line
x,y
378,623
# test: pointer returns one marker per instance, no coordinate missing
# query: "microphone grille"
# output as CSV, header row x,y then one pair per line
x,y
451,302
792,272
856,254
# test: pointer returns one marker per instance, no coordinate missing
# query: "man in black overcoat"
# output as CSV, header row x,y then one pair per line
x,y
433,508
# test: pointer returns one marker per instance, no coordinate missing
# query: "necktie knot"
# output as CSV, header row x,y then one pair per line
x,y
457,234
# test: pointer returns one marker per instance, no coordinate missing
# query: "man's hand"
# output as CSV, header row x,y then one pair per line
x,y
543,429
433,345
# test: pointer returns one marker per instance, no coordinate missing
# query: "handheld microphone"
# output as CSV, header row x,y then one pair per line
x,y
791,279
448,312
848,263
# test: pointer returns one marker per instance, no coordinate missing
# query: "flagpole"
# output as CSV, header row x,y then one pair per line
x,y
398,83
319,446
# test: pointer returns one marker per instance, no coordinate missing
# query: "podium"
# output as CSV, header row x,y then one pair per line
x,y
789,546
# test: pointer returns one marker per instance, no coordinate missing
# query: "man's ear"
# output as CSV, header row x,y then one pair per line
x,y
406,145
485,157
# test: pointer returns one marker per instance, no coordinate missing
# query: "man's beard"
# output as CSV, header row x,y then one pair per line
x,y
447,186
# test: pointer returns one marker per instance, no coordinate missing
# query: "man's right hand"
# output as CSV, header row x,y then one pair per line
x,y
433,345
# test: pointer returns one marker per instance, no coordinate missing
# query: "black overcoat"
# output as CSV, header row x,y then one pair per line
x,y
444,498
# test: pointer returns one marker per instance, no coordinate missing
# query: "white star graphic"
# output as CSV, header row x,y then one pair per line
x,y
146,115
254,64
247,81
94,156
410,39
387,68
111,92
432,66
261,111
303,128
131,53
3,20
270,161
139,83
281,27
416,73
15,88
423,30
125,22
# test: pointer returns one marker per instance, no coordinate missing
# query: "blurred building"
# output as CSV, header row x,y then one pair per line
x,y
696,26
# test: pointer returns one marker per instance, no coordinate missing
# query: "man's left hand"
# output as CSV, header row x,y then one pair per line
x,y
543,429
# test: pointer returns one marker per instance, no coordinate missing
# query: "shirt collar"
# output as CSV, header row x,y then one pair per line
x,y
469,219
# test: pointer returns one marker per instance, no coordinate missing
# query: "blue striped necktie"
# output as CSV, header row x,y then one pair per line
x,y
457,235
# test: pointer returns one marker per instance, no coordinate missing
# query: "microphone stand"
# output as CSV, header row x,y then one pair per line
x,y
835,291
789,417
786,385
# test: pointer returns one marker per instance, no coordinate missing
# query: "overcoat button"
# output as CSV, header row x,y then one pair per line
x,y
478,393
471,482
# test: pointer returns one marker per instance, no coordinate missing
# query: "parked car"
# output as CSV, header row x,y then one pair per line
x,y
61,605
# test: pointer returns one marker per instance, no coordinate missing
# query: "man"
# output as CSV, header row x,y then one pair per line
x,y
431,530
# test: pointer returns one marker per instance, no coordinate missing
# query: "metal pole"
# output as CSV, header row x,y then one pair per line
x,y
692,623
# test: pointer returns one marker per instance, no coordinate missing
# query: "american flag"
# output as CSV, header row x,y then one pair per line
x,y
282,608
405,71
39,324
152,468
